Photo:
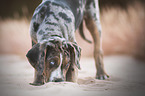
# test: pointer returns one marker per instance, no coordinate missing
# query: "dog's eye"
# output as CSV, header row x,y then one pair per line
x,y
52,63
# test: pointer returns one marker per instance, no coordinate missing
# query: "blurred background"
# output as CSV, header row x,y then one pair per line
x,y
123,27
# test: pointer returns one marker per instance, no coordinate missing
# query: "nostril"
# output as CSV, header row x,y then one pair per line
x,y
58,80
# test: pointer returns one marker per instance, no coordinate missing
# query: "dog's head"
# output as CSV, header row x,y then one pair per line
x,y
54,58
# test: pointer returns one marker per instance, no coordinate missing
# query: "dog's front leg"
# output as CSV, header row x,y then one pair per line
x,y
93,24
38,79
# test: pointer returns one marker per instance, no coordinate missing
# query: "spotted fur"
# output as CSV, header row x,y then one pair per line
x,y
53,26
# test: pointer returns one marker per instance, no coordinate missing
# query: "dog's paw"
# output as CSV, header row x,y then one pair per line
x,y
102,77
36,84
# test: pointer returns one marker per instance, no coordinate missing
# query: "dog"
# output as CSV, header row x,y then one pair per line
x,y
55,54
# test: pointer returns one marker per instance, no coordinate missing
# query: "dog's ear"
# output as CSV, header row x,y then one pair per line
x,y
36,56
75,53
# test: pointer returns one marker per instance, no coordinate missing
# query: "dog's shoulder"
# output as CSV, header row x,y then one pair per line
x,y
41,10
77,7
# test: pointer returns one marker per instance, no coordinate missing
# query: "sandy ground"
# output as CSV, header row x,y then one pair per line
x,y
127,78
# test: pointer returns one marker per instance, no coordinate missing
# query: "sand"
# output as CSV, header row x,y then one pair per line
x,y
127,78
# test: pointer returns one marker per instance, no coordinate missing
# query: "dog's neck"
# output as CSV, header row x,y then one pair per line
x,y
50,37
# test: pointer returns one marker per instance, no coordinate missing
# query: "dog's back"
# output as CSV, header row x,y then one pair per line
x,y
76,6
62,16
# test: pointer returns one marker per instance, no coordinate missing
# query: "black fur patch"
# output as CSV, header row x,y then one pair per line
x,y
65,17
52,13
48,29
51,23
35,26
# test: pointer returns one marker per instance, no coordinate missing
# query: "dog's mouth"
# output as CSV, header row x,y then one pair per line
x,y
57,80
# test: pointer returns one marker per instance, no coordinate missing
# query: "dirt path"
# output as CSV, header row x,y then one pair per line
x,y
127,78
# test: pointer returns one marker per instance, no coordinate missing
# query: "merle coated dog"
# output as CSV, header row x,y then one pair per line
x,y
55,54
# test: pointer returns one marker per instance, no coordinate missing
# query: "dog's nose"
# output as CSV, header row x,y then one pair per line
x,y
58,80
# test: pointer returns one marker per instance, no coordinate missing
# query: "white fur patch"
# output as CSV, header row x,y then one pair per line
x,y
57,72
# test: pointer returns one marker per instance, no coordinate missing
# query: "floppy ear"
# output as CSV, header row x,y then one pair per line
x,y
75,53
36,56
